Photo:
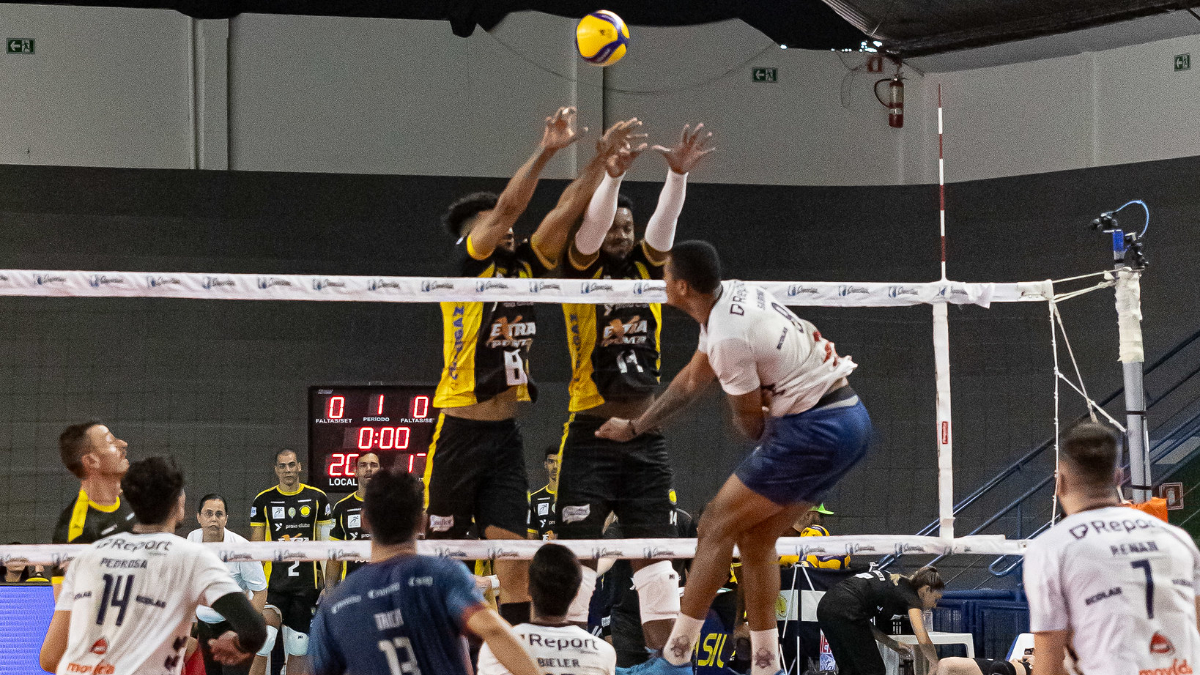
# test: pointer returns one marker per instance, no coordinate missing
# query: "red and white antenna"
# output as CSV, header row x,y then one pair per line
x,y
942,180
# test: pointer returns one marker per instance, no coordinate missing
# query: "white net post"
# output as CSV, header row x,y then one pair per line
x,y
1132,355
945,445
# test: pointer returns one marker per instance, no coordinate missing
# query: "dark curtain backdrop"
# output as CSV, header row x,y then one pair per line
x,y
221,385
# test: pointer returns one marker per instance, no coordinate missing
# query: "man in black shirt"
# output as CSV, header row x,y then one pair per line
x,y
348,520
541,502
845,613
291,511
97,458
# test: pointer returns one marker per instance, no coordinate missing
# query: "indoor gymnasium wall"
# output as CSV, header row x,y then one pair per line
x,y
222,384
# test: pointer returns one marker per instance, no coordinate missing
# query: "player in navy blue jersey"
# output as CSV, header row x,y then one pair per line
x,y
406,614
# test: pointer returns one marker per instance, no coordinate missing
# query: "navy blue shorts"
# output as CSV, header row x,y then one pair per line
x,y
802,456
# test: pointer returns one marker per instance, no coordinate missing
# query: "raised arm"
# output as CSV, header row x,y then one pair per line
x,y
559,133
682,158
551,236
685,388
504,644
601,210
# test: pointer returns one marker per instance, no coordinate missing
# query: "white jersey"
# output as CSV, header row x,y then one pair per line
x,y
559,650
132,598
754,342
248,575
1125,582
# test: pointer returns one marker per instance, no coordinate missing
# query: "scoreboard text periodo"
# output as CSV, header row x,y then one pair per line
x,y
395,422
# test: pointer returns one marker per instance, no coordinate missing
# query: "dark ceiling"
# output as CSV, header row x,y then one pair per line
x,y
907,27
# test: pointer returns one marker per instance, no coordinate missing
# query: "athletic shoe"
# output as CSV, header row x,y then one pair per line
x,y
656,666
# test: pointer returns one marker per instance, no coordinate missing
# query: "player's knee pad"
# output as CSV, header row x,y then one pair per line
x,y
295,643
578,612
272,631
658,591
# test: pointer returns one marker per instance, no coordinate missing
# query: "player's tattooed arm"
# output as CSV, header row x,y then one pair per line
x,y
685,388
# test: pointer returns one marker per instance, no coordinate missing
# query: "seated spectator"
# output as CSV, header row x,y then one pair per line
x,y
557,646
19,573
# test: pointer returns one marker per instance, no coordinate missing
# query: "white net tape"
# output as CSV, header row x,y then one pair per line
x,y
450,289
588,549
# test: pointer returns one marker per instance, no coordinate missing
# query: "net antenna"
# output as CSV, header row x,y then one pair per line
x,y
941,360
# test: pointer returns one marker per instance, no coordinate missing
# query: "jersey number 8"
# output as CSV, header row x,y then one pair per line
x,y
514,368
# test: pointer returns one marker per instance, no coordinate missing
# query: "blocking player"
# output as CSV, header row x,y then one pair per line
x,y
558,646
788,390
347,519
213,515
475,472
96,457
291,511
406,613
127,601
1110,587
615,360
541,502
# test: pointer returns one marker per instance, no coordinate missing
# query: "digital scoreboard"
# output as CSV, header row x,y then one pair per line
x,y
395,422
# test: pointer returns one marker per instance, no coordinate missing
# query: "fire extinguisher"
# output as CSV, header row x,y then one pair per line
x,y
895,100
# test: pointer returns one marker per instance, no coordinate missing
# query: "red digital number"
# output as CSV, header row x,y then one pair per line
x,y
336,408
366,438
387,438
337,466
412,460
401,438
379,408
351,465
420,407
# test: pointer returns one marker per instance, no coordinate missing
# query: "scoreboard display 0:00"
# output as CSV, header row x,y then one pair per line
x,y
395,422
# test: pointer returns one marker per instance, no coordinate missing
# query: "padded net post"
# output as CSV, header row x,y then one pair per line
x,y
1132,355
945,446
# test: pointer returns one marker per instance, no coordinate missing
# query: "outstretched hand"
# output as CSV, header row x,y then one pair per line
x,y
620,162
560,129
616,429
227,650
689,151
620,136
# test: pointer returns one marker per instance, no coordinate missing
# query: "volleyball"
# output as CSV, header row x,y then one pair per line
x,y
602,38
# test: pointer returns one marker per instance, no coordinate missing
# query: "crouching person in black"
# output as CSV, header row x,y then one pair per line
x,y
845,614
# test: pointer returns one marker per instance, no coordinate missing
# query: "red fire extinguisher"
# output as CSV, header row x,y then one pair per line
x,y
895,100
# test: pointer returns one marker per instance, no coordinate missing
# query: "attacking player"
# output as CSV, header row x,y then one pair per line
x,y
541,520
128,600
788,390
475,472
406,613
558,646
615,358
1110,587
291,511
347,519
96,457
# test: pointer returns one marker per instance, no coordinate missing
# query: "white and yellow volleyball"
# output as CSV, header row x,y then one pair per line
x,y
602,38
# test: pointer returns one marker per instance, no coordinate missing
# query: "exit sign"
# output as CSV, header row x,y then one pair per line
x,y
19,45
765,75
1183,62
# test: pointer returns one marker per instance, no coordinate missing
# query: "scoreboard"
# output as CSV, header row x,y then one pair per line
x,y
395,422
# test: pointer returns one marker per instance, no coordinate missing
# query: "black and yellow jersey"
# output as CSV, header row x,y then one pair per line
x,y
84,521
485,345
291,516
348,526
614,348
541,513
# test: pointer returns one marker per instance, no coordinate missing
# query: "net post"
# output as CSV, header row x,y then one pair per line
x,y
1132,355
945,445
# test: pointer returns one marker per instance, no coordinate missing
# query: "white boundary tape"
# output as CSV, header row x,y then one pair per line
x,y
204,286
275,551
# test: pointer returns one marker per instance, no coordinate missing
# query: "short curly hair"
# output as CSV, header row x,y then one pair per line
x,y
466,208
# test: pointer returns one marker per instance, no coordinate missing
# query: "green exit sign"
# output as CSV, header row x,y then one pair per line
x,y
765,75
19,45
1183,62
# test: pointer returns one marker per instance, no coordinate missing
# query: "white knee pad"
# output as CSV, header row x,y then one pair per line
x,y
578,612
272,631
294,642
658,591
